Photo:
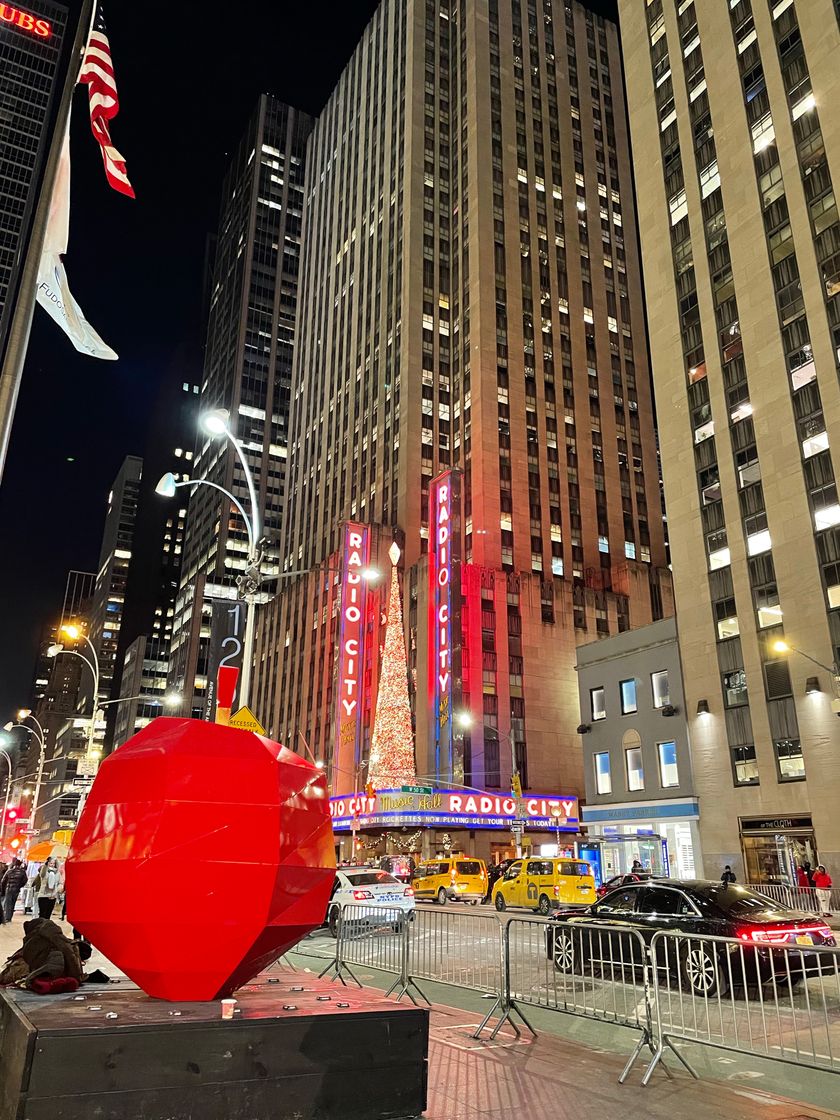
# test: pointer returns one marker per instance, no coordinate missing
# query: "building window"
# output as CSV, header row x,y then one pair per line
x,y
659,687
789,760
628,697
635,772
669,775
597,703
603,779
745,766
735,688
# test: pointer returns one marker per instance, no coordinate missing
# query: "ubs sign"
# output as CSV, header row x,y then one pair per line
x,y
445,620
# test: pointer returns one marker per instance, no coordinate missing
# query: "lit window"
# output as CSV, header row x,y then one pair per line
x,y
814,444
603,544
628,697
758,543
659,687
745,766
635,771
789,759
804,106
668,772
728,627
630,550
735,688
597,703
704,431
603,779
720,558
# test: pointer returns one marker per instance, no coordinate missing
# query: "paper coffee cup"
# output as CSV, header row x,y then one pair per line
x,y
227,1008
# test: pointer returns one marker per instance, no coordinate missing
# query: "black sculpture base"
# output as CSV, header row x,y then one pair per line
x,y
339,1055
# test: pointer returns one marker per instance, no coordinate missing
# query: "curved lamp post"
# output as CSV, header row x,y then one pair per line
x,y
75,634
41,738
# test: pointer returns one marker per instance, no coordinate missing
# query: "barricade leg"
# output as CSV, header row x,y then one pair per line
x,y
665,1043
338,967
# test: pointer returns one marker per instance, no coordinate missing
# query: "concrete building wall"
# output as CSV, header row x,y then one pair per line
x,y
736,149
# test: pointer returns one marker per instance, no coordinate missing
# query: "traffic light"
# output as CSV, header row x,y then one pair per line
x,y
17,842
12,815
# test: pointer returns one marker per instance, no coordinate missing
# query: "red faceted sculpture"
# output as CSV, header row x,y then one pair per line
x,y
202,854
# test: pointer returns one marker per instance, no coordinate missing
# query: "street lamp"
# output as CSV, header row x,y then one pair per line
x,y
8,759
92,662
41,739
781,646
465,721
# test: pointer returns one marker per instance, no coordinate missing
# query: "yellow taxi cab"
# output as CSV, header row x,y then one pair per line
x,y
456,877
546,883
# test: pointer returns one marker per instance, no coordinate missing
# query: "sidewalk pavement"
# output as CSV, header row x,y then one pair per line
x,y
549,1078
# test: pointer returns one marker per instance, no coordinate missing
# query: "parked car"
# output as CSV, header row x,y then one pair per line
x,y
401,867
694,907
623,881
455,878
369,888
544,884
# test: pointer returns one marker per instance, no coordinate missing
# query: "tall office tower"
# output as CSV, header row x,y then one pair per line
x,y
737,143
35,50
470,375
56,683
247,370
109,596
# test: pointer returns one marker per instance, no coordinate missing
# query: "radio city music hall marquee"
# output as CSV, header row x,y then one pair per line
x,y
445,619
452,809
351,639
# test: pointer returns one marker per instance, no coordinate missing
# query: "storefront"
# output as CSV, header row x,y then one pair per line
x,y
662,835
426,824
775,846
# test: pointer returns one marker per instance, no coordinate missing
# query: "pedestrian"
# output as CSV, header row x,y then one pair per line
x,y
13,882
728,875
47,886
822,882
804,876
636,868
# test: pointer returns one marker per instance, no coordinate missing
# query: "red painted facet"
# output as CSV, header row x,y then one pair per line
x,y
202,854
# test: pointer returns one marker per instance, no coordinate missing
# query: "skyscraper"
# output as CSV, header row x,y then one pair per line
x,y
36,51
109,596
247,370
732,112
470,376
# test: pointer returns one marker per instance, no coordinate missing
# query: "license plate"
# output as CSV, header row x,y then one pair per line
x,y
389,897
582,887
804,939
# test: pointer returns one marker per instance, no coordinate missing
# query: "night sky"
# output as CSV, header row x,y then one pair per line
x,y
188,80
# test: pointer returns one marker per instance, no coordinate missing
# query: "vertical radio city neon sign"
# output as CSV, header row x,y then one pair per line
x,y
445,618
351,644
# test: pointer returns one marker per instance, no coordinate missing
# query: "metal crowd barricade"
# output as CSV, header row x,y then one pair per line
x,y
369,936
797,898
775,1001
463,949
580,969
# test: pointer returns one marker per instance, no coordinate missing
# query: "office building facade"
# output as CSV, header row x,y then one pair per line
x,y
247,371
640,797
737,149
470,378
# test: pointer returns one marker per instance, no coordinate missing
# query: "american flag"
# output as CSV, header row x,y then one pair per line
x,y
98,75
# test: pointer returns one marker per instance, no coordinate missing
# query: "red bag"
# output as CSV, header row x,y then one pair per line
x,y
42,986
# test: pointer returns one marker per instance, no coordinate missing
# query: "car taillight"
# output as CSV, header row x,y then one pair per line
x,y
359,895
771,936
408,892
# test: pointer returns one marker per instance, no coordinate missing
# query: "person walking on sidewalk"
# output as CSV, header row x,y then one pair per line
x,y
822,883
13,882
47,887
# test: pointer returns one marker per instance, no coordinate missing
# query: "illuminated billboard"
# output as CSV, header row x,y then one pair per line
x,y
354,560
445,621
450,808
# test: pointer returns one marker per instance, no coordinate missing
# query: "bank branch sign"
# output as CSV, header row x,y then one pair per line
x,y
393,808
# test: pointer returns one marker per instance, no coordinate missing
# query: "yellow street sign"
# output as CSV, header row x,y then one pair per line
x,y
245,720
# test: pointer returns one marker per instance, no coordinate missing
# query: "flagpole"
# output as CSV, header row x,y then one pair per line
x,y
21,324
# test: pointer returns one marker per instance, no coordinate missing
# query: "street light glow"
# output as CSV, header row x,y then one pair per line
x,y
216,423
72,632
464,719
167,486
172,699
371,575
24,713
781,647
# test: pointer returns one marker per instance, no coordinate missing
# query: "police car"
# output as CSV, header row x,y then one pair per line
x,y
366,890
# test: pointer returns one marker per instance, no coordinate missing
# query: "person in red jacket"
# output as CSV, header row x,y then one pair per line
x,y
822,882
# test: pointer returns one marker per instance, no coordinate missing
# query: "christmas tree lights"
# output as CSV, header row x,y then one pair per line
x,y
392,747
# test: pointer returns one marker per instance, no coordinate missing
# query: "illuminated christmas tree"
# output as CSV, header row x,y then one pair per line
x,y
392,747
